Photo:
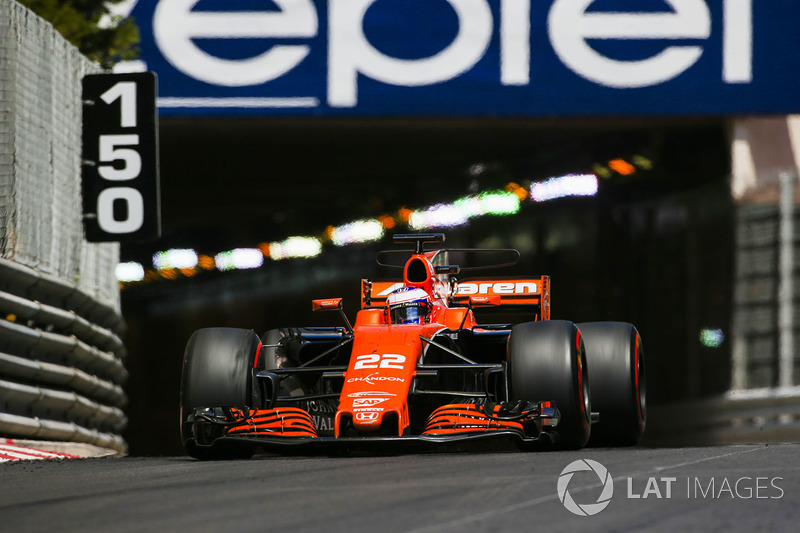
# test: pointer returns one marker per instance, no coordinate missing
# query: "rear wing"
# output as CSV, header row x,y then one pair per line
x,y
519,292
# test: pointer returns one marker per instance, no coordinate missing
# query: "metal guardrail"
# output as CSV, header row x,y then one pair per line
x,y
61,361
61,356
757,415
31,284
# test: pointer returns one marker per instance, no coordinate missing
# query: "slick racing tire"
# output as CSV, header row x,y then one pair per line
x,y
216,373
614,351
547,362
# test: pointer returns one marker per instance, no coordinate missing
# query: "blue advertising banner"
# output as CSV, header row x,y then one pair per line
x,y
533,58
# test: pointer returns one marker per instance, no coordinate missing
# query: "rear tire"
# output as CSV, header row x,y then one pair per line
x,y
547,363
618,382
217,368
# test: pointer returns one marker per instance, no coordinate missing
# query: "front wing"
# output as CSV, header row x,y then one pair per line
x,y
292,428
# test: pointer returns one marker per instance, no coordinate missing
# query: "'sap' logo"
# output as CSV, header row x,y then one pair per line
x,y
367,402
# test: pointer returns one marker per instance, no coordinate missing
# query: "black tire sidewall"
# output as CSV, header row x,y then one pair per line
x,y
618,385
546,363
217,370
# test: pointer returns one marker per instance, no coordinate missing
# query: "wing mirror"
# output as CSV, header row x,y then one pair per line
x,y
332,304
329,304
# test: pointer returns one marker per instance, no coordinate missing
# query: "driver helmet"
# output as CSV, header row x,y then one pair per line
x,y
408,305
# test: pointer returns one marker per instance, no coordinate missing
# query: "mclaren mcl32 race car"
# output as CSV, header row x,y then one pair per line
x,y
417,368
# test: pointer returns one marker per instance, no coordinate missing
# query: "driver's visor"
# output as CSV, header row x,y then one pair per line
x,y
408,313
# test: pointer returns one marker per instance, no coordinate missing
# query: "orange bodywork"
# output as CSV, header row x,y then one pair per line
x,y
351,383
382,367
280,422
524,291
385,356
464,418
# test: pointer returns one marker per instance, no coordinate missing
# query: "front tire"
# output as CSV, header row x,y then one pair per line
x,y
618,382
216,373
547,362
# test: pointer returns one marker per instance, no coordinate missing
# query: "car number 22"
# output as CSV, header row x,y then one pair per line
x,y
374,360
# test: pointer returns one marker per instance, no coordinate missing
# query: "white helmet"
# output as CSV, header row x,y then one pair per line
x,y
408,305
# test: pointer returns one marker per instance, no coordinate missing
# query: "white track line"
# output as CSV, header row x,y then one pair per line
x,y
469,520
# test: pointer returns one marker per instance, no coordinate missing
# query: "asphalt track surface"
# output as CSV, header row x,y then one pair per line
x,y
432,492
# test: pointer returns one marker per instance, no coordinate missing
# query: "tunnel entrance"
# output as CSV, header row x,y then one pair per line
x,y
653,247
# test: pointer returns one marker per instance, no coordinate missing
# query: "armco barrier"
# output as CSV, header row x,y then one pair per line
x,y
60,371
61,353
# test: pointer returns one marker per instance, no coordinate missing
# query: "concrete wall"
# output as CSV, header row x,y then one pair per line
x,y
40,138
61,353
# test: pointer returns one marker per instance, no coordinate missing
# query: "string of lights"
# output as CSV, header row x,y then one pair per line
x,y
175,263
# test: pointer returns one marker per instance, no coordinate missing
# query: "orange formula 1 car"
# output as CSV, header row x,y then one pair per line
x,y
417,368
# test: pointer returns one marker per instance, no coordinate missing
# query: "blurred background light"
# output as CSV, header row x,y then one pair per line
x,y
357,232
498,203
518,190
459,212
168,273
469,206
239,258
224,261
387,221
437,216
404,215
564,186
602,171
171,263
206,262
711,338
642,162
175,258
128,272
621,166
295,247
